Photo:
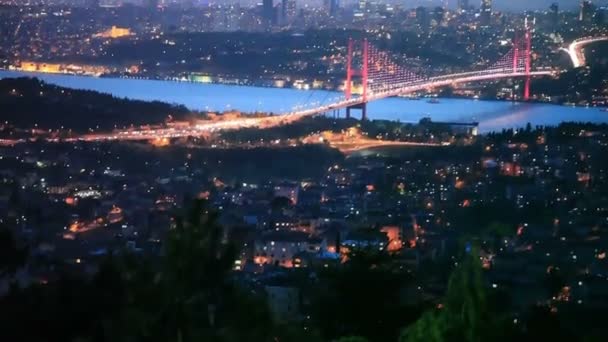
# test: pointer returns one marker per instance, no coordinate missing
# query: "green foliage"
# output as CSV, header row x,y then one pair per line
x,y
298,129
190,298
466,315
361,298
351,339
187,295
50,106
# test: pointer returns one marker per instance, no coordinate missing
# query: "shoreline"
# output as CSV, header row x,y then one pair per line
x,y
267,86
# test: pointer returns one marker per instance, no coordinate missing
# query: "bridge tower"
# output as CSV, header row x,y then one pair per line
x,y
522,54
361,71
515,53
528,60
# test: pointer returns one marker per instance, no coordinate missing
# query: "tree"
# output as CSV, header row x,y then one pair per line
x,y
279,203
361,298
351,339
11,256
191,297
467,313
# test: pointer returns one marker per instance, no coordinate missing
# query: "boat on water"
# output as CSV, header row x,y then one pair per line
x,y
433,101
605,110
409,97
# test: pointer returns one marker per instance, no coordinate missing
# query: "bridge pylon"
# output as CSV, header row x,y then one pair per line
x,y
522,58
528,60
360,71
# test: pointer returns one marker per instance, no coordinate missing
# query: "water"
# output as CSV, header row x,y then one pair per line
x,y
491,115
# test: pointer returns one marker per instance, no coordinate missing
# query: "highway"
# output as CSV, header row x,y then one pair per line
x,y
575,49
204,128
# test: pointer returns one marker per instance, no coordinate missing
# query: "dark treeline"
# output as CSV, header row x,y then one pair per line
x,y
25,102
235,164
384,129
191,294
580,84
294,130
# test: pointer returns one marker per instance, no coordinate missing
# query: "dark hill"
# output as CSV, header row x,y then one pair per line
x,y
28,101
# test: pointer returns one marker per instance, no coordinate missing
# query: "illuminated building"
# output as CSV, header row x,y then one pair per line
x,y
54,68
268,12
463,5
332,7
291,9
110,3
115,215
279,248
114,32
554,10
362,5
393,233
423,18
485,11
586,10
40,67
283,17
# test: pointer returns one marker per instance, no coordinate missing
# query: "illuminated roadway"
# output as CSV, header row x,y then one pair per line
x,y
200,129
575,49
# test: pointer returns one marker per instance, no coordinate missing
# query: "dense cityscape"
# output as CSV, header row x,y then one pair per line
x,y
160,182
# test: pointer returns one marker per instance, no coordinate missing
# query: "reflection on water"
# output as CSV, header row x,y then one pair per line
x,y
491,115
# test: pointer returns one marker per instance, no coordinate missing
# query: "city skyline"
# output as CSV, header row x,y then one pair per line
x,y
501,5
303,170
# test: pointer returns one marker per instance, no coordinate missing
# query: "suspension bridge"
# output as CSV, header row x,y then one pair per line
x,y
380,77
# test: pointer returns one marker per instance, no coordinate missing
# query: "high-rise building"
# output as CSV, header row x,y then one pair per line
x,y
268,12
291,9
423,18
151,3
283,12
332,7
110,3
601,15
287,12
439,15
586,11
463,5
362,5
485,13
554,15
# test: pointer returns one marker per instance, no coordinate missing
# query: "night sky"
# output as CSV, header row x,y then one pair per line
x,y
510,5
504,4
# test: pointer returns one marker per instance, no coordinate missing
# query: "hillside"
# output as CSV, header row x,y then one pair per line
x,y
28,101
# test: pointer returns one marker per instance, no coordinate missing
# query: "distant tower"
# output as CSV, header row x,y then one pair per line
x,y
152,3
486,11
291,9
268,12
423,18
439,15
352,71
463,6
362,5
586,10
334,5
554,10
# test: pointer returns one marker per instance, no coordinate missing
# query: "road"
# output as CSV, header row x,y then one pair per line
x,y
575,49
204,128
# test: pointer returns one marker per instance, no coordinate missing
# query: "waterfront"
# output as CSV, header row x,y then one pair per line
x,y
491,115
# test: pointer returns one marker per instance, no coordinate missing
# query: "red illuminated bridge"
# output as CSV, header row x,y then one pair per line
x,y
381,77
